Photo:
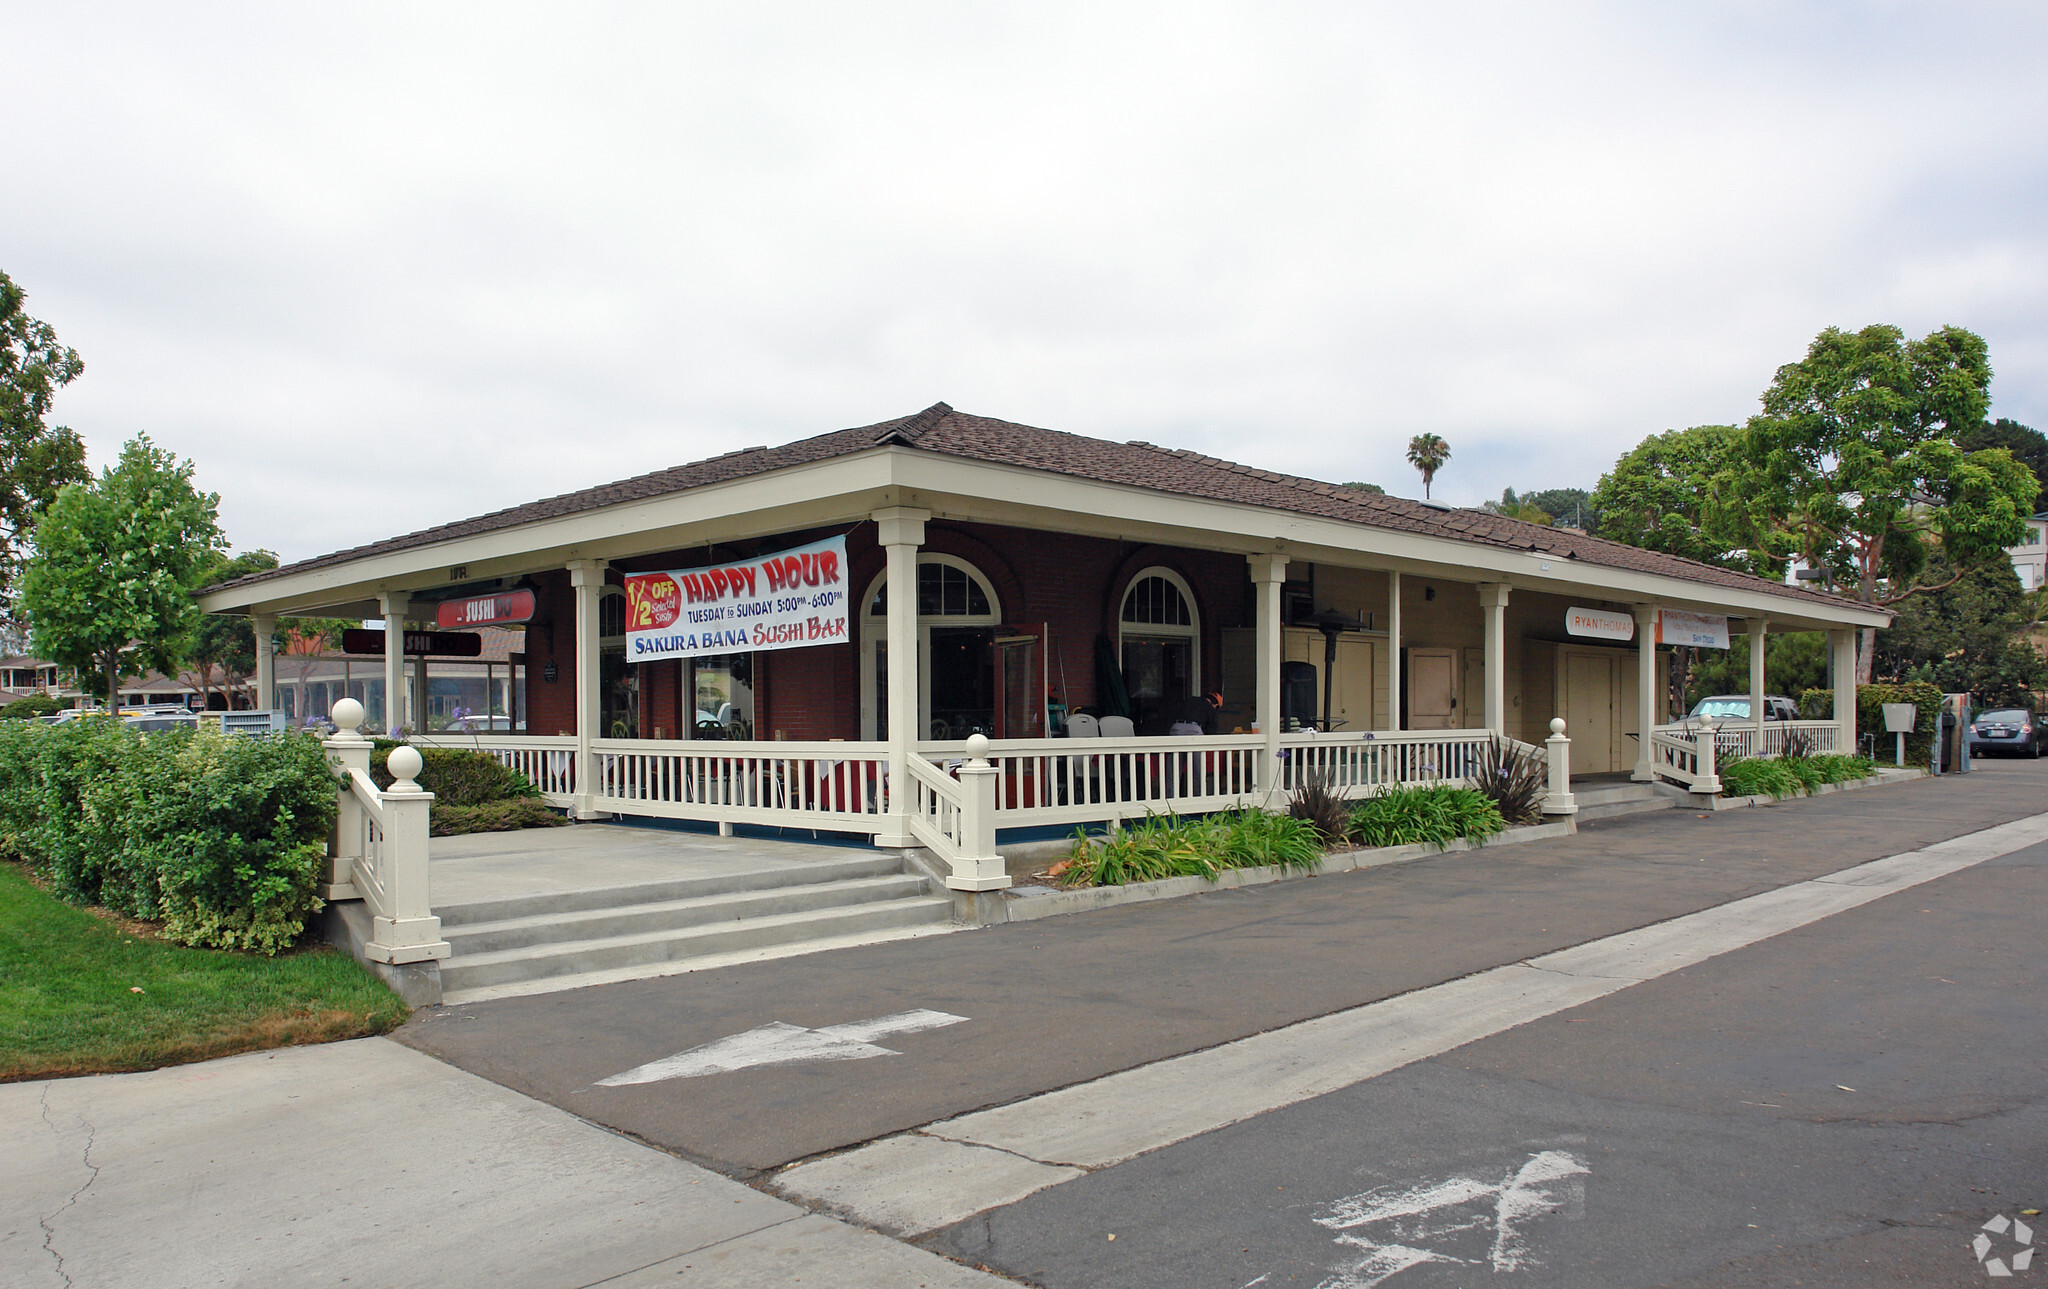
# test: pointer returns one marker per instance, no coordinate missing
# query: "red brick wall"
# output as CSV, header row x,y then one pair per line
x,y
1074,585
551,708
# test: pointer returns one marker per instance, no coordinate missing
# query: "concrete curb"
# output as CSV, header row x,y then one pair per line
x,y
1883,777
1027,904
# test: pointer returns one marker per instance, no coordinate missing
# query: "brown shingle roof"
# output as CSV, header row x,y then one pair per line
x,y
940,428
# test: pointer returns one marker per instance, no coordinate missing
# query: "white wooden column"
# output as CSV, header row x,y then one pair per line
x,y
1757,628
1493,603
397,607
1394,691
1843,644
265,627
1649,704
1268,572
900,531
586,576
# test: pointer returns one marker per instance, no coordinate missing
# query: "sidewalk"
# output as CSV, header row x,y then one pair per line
x,y
368,1164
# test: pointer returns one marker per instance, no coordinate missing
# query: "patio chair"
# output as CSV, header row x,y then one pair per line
x,y
1118,727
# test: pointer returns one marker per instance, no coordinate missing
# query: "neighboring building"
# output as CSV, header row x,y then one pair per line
x,y
1052,573
2030,557
22,677
490,687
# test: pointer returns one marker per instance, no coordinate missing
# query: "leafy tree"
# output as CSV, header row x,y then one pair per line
x,y
1794,662
1571,507
116,561
1666,494
35,458
1967,637
221,656
1372,488
1427,453
1855,462
2028,446
1515,507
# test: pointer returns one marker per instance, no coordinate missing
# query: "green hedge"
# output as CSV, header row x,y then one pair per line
x,y
221,837
34,705
456,776
493,816
1819,705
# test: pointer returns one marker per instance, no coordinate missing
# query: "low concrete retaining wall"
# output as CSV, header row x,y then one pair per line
x,y
1885,775
1023,904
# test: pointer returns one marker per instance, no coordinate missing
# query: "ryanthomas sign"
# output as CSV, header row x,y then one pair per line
x,y
787,600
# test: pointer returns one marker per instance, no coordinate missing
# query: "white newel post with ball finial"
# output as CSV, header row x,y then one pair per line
x,y
347,750
1559,800
381,837
979,867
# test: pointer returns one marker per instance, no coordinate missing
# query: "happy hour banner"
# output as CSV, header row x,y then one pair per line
x,y
787,600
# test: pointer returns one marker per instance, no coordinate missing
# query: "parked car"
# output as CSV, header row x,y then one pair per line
x,y
2016,731
1735,707
158,722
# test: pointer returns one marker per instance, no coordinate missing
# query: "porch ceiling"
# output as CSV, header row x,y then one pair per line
x,y
845,489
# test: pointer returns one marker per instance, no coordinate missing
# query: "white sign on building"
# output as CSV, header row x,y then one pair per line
x,y
1700,630
1600,624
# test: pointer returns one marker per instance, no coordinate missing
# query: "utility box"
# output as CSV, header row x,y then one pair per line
x,y
1898,721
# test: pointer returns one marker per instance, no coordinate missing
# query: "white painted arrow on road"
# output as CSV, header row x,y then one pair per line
x,y
779,1044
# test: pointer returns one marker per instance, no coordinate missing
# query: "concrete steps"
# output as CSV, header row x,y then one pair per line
x,y
565,939
1608,800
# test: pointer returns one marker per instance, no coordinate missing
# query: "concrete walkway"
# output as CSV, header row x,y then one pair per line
x,y
544,861
368,1164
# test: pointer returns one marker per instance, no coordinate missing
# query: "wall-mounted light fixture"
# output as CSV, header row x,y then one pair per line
x,y
549,671
1429,593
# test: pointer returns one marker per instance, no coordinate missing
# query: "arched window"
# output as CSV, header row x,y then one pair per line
x,y
1160,647
957,613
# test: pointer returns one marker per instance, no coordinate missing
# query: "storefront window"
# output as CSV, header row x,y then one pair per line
x,y
723,686
1160,639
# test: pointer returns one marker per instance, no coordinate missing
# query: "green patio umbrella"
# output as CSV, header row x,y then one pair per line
x,y
1110,694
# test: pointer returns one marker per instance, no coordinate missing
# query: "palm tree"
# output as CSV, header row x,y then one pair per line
x,y
1427,453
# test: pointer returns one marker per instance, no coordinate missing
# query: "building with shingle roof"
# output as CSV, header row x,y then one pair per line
x,y
1063,582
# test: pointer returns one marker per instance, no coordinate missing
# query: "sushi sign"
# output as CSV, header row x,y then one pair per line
x,y
787,600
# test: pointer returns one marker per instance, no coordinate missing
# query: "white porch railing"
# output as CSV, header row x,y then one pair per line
x,y
1058,782
1371,761
1686,757
839,786
1746,740
955,818
549,760
380,846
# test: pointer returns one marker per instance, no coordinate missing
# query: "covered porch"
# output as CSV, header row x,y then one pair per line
x,y
1359,639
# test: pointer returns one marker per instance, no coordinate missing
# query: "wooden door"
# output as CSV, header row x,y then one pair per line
x,y
1351,688
1432,689
1589,711
1472,710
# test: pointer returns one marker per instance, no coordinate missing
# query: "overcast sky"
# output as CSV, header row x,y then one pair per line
x,y
376,268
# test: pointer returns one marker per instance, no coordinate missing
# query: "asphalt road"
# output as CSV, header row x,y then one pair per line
x,y
1056,1002
1842,1105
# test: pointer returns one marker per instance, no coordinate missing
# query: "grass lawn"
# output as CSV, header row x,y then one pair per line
x,y
69,1002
